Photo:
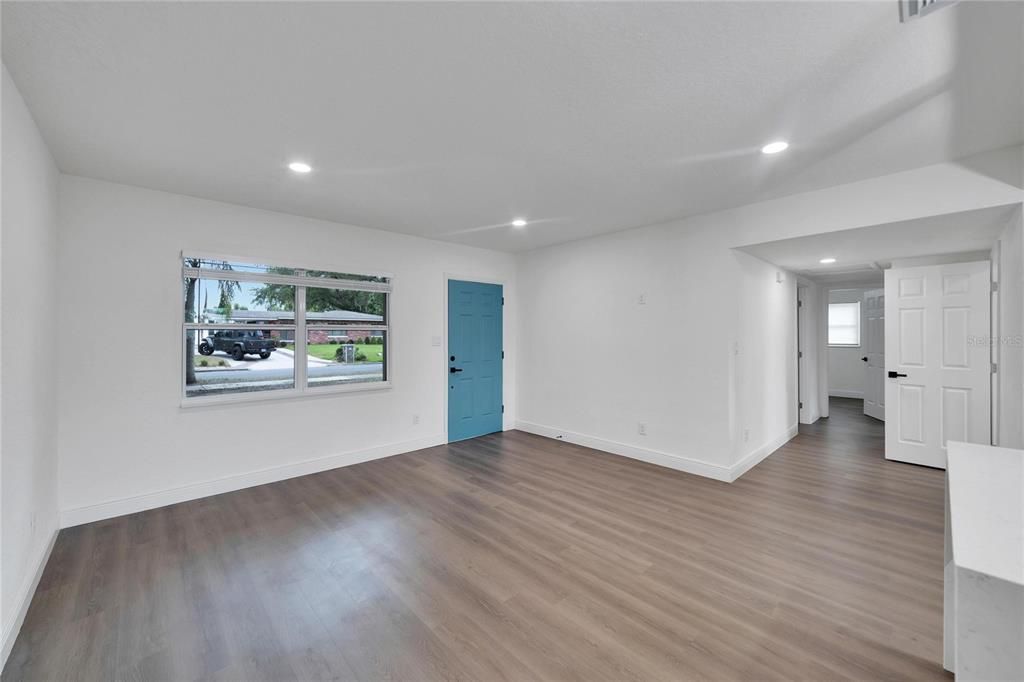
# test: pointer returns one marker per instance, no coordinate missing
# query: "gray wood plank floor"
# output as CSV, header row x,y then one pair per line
x,y
515,557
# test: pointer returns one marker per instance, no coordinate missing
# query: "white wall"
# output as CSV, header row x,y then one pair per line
x,y
846,370
708,409
708,356
1010,335
126,443
28,418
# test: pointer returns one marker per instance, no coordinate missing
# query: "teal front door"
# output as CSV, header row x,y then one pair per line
x,y
474,359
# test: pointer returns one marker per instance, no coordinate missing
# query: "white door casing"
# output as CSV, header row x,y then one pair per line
x,y
937,324
874,353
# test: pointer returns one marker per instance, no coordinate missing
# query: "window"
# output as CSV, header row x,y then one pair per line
x,y
250,329
844,324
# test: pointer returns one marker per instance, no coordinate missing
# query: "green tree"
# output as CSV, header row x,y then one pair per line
x,y
190,309
282,296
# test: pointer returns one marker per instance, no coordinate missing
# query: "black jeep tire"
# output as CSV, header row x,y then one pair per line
x,y
264,355
237,353
205,348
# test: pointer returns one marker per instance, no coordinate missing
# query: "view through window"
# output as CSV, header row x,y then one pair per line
x,y
251,328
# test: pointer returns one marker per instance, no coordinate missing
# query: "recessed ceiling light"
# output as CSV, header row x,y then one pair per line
x,y
519,222
774,147
300,167
826,261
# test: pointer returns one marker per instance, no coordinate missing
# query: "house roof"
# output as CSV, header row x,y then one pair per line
x,y
286,315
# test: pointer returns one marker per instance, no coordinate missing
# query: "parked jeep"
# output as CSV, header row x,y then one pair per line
x,y
237,343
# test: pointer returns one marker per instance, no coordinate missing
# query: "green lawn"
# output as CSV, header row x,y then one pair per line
x,y
326,351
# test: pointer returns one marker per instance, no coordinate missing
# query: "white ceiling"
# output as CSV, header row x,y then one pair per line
x,y
862,253
447,120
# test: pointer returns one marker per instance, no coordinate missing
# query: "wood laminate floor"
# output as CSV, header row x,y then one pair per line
x,y
515,557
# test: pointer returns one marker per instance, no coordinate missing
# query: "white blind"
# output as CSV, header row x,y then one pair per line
x,y
844,324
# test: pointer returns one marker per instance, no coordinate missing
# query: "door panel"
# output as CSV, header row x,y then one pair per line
x,y
874,353
938,320
474,352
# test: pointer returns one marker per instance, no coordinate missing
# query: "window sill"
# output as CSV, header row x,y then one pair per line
x,y
843,345
286,394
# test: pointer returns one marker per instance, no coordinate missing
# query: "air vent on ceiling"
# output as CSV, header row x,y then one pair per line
x,y
915,9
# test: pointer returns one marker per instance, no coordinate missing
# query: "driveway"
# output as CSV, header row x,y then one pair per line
x,y
279,359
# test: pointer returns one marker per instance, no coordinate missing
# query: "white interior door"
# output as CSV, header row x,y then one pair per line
x,y
874,353
937,386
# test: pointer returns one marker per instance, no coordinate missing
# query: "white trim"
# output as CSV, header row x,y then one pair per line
x,y
284,263
288,280
839,393
300,369
229,399
24,598
757,456
242,326
669,460
995,332
193,491
672,461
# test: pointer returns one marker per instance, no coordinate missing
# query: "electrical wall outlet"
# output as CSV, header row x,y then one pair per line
x,y
415,419
642,428
746,435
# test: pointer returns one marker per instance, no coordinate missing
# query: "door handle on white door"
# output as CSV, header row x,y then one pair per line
x,y
895,375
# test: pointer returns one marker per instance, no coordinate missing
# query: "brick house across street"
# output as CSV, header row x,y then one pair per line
x,y
347,321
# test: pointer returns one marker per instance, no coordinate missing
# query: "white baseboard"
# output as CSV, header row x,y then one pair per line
x,y
24,599
690,465
838,393
666,459
162,498
811,418
754,458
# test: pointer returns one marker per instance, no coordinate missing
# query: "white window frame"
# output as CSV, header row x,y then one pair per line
x,y
300,389
828,324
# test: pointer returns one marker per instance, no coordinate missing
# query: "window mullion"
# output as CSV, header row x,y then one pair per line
x,y
301,364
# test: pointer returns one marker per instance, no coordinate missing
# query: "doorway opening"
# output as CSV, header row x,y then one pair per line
x,y
899,319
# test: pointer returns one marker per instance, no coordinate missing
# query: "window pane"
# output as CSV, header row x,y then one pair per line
x,y
844,324
345,356
344,307
326,274
232,360
843,336
207,264
262,268
224,302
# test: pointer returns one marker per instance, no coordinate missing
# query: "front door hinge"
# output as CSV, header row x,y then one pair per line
x,y
503,300
799,353
503,409
994,368
800,405
995,287
502,355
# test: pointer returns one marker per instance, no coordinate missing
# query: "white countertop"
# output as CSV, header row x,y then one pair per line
x,y
986,494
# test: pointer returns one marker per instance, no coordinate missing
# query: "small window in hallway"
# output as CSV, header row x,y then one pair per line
x,y
844,324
